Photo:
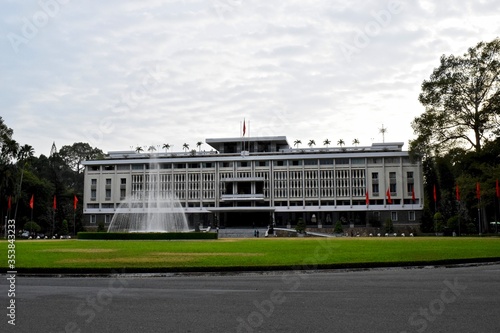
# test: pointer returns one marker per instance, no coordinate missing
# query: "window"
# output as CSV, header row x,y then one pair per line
x,y
107,218
392,175
208,165
296,162
123,194
394,216
109,167
326,161
94,168
375,189
93,194
393,188
357,161
262,163
340,161
227,164
137,166
243,164
180,165
409,175
123,181
411,215
374,175
108,181
311,162
280,163
108,194
123,167
93,218
409,188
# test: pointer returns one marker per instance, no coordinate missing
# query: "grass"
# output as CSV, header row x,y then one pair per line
x,y
82,256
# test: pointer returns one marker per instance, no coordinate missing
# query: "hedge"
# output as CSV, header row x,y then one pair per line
x,y
146,235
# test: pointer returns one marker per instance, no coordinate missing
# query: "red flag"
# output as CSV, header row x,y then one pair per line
x,y
9,201
244,128
434,193
54,203
497,190
388,193
75,202
32,201
457,192
413,193
367,198
478,191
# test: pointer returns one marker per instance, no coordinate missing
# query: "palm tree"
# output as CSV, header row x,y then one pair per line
x,y
185,146
25,152
355,142
166,146
341,142
138,149
311,143
151,149
296,143
326,142
198,144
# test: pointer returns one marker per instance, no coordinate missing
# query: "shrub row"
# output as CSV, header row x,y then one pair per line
x,y
146,236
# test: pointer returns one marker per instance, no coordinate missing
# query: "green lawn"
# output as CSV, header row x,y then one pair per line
x,y
223,254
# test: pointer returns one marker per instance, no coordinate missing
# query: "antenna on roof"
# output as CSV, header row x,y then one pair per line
x,y
383,131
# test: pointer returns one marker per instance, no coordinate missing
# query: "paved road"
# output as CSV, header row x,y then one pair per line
x,y
463,299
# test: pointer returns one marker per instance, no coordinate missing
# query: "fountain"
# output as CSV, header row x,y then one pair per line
x,y
155,209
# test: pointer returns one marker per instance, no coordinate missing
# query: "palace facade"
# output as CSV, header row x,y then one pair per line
x,y
256,181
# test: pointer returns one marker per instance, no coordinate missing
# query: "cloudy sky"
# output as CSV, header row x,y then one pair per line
x,y
121,73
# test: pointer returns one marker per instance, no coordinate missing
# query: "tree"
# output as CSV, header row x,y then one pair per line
x,y
338,227
301,225
198,144
185,146
355,142
138,149
78,152
461,100
389,226
341,142
25,152
151,148
166,146
311,143
64,228
8,146
296,143
438,222
32,227
326,142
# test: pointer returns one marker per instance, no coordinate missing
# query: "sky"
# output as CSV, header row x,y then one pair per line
x,y
120,74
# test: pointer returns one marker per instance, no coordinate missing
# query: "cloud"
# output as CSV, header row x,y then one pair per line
x,y
123,73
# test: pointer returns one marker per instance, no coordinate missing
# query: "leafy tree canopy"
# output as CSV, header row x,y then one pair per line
x,y
462,102
78,152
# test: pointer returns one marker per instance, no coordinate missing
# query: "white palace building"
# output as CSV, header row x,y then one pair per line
x,y
256,181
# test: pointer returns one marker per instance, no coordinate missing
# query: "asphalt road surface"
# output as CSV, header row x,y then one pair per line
x,y
459,299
